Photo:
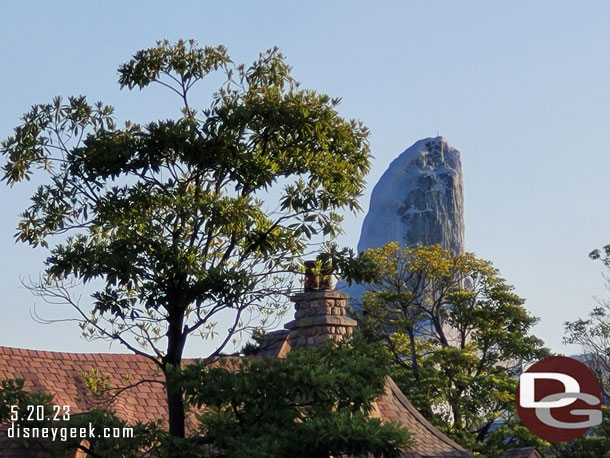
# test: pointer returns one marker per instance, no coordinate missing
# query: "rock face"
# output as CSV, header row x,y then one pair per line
x,y
419,200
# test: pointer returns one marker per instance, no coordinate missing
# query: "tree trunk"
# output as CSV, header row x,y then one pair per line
x,y
414,363
438,326
175,407
171,364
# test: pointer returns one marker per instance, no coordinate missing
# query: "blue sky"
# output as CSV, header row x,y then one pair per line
x,y
521,88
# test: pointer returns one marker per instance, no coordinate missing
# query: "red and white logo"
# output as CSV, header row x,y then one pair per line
x,y
559,399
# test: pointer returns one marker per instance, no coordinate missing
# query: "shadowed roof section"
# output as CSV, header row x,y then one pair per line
x,y
429,441
60,374
525,452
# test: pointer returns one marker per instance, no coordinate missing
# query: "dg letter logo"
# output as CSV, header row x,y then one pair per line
x,y
559,399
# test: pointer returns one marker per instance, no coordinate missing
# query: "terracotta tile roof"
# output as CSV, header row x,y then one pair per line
x,y
429,441
525,452
60,375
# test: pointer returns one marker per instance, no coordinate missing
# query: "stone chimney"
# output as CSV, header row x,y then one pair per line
x,y
320,312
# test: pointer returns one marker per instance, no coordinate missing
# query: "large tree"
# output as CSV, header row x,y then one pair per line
x,y
458,334
178,222
592,334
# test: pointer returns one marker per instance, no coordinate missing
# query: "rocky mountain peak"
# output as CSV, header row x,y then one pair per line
x,y
419,200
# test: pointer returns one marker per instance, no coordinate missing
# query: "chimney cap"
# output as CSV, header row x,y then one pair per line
x,y
317,277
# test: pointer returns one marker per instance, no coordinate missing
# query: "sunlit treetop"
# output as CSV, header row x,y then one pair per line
x,y
190,216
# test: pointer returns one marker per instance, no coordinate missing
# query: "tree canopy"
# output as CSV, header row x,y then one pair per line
x,y
178,222
314,403
458,335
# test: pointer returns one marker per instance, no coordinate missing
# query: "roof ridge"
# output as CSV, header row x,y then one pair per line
x,y
429,426
28,351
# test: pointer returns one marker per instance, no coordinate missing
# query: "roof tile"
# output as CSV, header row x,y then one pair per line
x,y
60,374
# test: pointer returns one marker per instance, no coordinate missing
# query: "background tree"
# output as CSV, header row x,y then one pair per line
x,y
593,333
458,335
167,220
594,444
